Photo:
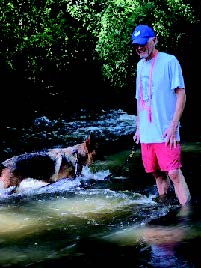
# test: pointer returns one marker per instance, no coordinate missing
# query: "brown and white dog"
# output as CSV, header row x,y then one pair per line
x,y
49,165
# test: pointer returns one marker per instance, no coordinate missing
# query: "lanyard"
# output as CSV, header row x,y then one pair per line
x,y
142,101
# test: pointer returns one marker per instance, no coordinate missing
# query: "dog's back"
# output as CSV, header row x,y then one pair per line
x,y
35,165
49,165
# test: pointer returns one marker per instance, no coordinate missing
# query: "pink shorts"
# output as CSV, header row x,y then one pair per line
x,y
158,156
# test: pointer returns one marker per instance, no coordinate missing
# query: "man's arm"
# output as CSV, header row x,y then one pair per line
x,y
170,133
136,137
180,105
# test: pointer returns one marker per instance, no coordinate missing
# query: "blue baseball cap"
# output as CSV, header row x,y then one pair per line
x,y
141,34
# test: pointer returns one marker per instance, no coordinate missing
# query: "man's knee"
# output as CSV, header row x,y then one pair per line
x,y
174,175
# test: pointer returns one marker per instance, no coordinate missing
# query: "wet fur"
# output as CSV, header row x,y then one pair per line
x,y
50,165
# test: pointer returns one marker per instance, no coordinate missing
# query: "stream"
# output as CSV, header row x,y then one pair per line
x,y
100,218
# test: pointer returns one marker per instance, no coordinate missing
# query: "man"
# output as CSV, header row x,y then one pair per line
x,y
161,97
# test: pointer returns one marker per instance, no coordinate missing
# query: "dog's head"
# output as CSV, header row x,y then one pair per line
x,y
87,152
75,157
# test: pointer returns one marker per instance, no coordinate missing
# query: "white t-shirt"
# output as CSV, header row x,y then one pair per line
x,y
166,77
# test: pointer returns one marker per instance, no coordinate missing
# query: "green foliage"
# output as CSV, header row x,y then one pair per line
x,y
35,34
113,22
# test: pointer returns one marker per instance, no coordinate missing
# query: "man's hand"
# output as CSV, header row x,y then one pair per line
x,y
136,137
170,135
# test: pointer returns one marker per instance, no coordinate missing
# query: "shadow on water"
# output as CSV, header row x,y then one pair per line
x,y
99,219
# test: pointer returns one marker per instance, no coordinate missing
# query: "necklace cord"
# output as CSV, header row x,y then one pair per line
x,y
142,101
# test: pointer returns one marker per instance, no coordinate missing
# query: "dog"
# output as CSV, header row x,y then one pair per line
x,y
49,165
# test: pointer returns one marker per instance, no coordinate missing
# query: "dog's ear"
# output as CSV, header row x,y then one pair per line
x,y
91,143
86,144
93,146
88,140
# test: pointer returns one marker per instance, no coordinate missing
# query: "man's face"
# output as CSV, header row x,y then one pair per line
x,y
145,51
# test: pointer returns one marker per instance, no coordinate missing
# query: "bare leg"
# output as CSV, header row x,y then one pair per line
x,y
162,182
181,188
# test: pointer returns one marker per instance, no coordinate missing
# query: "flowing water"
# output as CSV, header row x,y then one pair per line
x,y
98,219
87,221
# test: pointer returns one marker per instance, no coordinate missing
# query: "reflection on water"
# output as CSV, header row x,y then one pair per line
x,y
44,223
70,219
165,242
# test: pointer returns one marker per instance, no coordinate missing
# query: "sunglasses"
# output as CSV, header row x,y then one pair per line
x,y
134,46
